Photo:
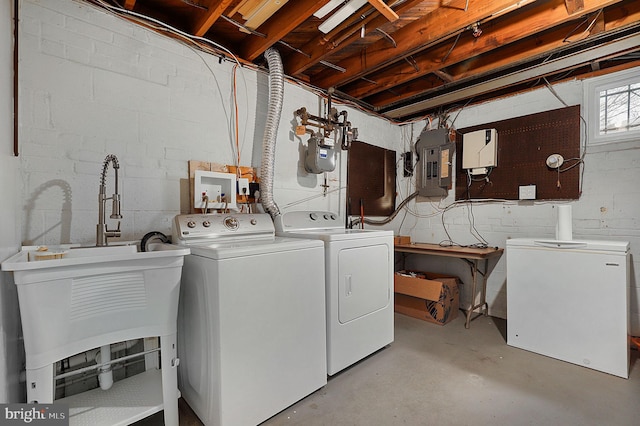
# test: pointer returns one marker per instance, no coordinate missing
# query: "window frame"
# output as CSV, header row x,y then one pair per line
x,y
592,89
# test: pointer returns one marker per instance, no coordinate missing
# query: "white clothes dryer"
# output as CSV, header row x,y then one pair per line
x,y
251,318
359,284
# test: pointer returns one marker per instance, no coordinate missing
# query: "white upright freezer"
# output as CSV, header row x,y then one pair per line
x,y
570,300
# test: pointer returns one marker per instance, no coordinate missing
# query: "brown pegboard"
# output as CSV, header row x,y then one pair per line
x,y
524,143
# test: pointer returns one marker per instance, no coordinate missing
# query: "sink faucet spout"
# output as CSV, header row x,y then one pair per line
x,y
102,231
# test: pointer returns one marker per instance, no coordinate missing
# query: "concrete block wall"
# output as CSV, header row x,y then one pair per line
x,y
608,209
93,84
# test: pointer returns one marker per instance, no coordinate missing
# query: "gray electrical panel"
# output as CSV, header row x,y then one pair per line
x,y
433,169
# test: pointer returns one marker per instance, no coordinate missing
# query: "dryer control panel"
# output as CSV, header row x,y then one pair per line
x,y
305,220
203,228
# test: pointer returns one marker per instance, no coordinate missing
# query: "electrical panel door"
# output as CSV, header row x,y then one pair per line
x,y
435,152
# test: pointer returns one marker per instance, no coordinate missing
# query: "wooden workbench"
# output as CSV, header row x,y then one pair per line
x,y
472,255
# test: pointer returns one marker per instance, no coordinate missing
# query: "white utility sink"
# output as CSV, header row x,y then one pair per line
x,y
91,297
68,305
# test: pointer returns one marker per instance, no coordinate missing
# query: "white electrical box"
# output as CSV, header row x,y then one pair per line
x,y
480,151
218,188
527,192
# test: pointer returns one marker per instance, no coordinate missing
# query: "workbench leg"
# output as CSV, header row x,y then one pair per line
x,y
483,291
483,297
474,278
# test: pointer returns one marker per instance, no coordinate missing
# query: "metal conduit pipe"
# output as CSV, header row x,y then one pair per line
x,y
276,94
390,218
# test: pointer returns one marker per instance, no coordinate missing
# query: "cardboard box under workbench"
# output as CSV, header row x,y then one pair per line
x,y
402,239
426,295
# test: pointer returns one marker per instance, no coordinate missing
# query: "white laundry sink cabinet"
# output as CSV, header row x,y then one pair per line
x,y
92,297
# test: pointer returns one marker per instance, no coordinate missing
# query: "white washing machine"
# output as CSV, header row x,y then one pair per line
x,y
359,280
251,319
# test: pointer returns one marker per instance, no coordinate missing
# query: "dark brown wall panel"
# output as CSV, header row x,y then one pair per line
x,y
371,178
524,143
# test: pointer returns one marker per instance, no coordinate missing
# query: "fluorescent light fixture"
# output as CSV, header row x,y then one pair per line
x,y
337,18
324,10
257,14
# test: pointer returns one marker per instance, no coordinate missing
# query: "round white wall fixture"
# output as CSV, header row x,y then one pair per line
x,y
554,161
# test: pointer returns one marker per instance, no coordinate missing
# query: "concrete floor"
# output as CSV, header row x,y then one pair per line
x,y
448,375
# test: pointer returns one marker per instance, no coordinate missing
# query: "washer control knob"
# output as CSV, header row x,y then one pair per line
x,y
333,217
253,221
326,217
191,224
231,223
313,216
206,224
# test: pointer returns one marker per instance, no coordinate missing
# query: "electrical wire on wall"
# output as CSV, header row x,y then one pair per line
x,y
408,147
235,104
579,160
195,44
222,52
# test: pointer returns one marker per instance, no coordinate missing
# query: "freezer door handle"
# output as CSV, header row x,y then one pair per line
x,y
559,244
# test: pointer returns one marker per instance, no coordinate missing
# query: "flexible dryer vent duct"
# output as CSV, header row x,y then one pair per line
x,y
276,93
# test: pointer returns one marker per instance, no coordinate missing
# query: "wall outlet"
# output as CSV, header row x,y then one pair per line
x,y
243,186
527,192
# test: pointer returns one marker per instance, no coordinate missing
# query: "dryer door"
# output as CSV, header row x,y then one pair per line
x,y
364,285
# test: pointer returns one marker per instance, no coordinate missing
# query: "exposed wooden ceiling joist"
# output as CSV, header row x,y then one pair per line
x,y
626,44
438,25
323,46
509,54
282,23
385,10
211,15
506,31
433,48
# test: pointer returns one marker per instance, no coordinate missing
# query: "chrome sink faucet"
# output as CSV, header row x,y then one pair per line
x,y
103,232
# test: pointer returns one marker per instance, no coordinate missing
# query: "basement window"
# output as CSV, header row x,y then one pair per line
x,y
612,105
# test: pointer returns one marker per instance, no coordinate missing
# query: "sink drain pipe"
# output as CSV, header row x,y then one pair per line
x,y
276,95
105,376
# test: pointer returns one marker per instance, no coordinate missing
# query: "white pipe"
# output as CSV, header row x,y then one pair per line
x,y
276,94
105,377
89,356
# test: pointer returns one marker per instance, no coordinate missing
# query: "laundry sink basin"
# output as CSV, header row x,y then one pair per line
x,y
65,256
95,295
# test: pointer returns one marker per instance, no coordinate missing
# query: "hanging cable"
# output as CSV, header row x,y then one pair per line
x,y
237,127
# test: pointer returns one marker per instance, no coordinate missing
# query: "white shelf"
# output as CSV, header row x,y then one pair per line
x,y
127,401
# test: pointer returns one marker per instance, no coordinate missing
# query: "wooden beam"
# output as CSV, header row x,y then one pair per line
x,y
529,48
280,24
385,10
447,78
599,24
129,4
415,37
508,30
574,6
208,18
323,46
